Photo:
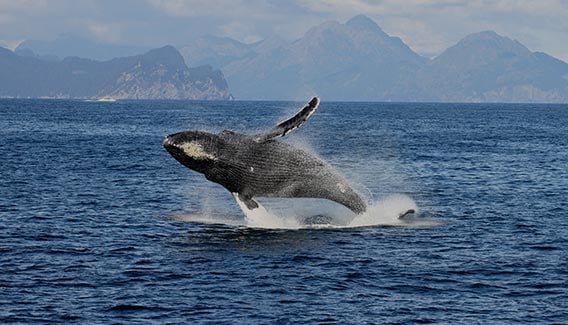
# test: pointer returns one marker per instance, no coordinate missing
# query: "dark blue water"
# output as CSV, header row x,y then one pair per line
x,y
87,194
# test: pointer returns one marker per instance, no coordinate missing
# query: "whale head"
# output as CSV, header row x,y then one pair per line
x,y
194,149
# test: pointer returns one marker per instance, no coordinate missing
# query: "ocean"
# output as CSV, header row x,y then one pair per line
x,y
98,224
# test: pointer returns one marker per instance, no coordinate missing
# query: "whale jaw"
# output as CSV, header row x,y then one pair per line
x,y
193,149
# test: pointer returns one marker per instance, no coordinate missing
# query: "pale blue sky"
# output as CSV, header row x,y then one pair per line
x,y
427,26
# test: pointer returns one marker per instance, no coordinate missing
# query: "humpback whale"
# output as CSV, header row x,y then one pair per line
x,y
257,165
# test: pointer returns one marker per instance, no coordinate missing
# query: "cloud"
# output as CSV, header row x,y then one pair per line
x,y
213,8
419,36
240,31
107,33
427,26
6,19
175,7
244,20
23,5
11,11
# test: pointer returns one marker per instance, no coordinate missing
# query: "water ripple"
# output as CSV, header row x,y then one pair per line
x,y
100,225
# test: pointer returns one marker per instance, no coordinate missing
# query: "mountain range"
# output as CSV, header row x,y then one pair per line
x,y
158,74
355,60
359,61
71,45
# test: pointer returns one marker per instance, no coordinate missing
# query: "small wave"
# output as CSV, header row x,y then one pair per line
x,y
133,307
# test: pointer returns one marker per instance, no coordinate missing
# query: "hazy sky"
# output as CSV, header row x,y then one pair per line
x,y
427,26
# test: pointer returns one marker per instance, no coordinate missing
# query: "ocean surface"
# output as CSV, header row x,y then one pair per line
x,y
99,225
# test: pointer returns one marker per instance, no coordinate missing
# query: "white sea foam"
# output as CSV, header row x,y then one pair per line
x,y
383,212
316,214
262,218
205,218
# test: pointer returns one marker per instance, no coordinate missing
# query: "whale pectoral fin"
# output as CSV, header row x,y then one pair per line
x,y
249,202
290,124
406,214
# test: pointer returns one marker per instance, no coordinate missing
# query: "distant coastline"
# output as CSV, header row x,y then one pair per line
x,y
157,74
377,102
352,61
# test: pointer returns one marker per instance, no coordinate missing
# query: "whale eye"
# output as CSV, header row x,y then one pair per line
x,y
196,151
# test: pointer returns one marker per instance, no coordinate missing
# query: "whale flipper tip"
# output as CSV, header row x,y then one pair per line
x,y
290,124
406,213
249,202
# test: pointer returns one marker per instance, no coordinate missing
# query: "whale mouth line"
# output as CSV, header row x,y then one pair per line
x,y
168,142
190,149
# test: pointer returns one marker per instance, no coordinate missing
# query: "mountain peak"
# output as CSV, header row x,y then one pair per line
x,y
167,55
484,35
363,22
490,40
164,50
157,74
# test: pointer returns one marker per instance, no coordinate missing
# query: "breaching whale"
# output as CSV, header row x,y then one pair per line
x,y
252,166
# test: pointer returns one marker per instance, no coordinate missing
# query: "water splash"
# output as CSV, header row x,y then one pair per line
x,y
386,212
314,214
262,218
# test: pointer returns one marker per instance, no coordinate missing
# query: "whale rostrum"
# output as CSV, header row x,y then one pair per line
x,y
257,165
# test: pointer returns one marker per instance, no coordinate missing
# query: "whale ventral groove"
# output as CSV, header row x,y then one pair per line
x,y
260,166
